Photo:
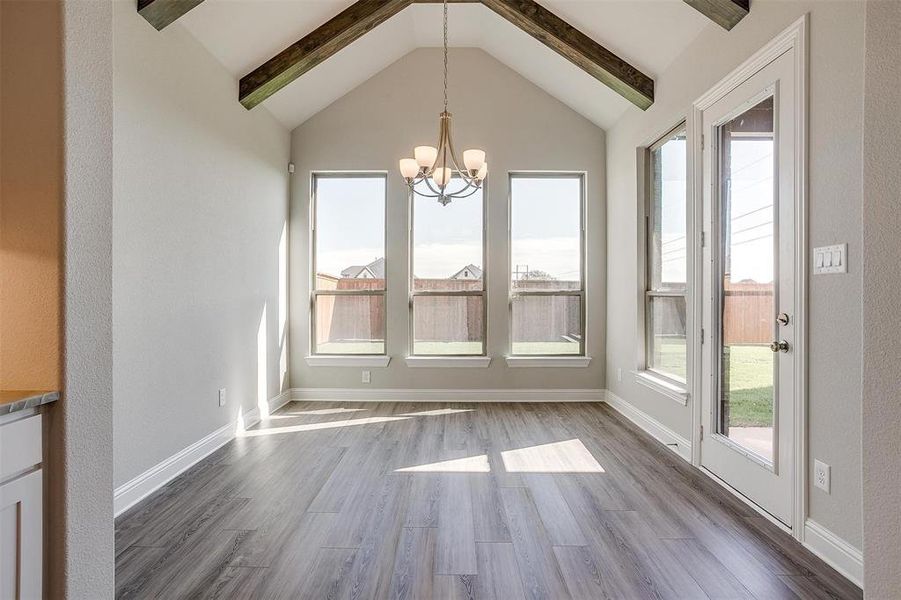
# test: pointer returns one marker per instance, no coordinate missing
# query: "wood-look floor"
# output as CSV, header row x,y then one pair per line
x,y
507,501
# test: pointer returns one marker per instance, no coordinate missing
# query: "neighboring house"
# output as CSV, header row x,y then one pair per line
x,y
468,272
374,270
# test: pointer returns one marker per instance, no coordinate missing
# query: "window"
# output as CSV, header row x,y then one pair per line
x,y
348,241
547,286
447,287
666,258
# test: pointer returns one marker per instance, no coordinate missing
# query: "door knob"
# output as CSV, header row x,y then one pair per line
x,y
779,346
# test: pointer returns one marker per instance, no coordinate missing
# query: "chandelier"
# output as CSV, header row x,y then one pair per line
x,y
437,167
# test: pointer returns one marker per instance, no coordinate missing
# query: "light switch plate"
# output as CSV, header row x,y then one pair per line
x,y
830,259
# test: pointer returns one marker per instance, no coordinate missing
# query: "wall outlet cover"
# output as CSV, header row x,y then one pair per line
x,y
366,377
821,475
221,396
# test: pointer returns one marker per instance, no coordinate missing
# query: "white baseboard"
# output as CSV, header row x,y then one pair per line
x,y
130,493
448,395
652,426
839,554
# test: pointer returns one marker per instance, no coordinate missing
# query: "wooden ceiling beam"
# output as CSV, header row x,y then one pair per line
x,y
725,13
578,48
161,13
326,40
365,15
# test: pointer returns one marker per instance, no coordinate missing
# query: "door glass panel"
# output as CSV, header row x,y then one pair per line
x,y
746,405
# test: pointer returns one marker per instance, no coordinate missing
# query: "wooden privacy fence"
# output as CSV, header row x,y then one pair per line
x,y
441,318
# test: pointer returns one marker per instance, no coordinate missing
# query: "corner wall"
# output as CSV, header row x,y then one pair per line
x,y
882,279
836,114
199,219
521,128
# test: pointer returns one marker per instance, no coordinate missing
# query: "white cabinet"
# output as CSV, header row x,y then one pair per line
x,y
21,509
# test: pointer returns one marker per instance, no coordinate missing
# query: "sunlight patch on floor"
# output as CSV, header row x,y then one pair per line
x,y
470,464
570,456
327,411
438,412
319,426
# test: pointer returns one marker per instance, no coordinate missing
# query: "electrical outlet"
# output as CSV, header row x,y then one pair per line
x,y
619,374
821,475
221,396
366,377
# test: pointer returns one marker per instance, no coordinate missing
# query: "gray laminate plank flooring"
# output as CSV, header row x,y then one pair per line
x,y
380,500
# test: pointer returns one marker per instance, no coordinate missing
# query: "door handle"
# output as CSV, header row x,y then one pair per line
x,y
779,346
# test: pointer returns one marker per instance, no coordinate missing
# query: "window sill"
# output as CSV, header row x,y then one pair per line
x,y
671,390
549,361
449,362
348,360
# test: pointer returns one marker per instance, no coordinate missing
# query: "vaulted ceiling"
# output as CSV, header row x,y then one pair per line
x,y
244,34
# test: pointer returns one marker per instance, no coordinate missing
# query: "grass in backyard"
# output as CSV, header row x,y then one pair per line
x,y
750,380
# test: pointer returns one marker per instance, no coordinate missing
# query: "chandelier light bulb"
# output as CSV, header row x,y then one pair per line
x,y
441,176
425,156
483,171
474,159
409,168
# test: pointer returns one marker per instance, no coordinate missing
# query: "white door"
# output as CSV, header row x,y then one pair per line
x,y
749,296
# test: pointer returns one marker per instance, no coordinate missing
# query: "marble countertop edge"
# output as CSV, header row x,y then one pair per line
x,y
15,400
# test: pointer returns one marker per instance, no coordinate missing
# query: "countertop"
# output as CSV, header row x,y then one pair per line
x,y
15,400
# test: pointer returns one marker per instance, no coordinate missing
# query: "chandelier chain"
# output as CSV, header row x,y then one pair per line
x,y
445,55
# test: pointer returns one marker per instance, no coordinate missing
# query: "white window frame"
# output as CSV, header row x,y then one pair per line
x,y
520,359
323,358
414,359
657,380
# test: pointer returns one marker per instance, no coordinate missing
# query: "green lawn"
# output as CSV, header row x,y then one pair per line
x,y
750,384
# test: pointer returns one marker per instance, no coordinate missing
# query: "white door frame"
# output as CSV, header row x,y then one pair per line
x,y
794,37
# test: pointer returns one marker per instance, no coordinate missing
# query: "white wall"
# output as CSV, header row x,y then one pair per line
x,y
836,86
881,325
522,128
80,503
200,205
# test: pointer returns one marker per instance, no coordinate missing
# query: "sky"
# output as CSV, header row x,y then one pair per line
x,y
350,215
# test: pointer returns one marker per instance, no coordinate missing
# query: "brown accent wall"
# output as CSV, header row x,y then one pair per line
x,y
31,96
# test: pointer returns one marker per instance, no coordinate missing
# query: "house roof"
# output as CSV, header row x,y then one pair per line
x,y
243,34
376,270
476,272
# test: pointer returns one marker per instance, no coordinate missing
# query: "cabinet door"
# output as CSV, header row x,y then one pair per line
x,y
21,537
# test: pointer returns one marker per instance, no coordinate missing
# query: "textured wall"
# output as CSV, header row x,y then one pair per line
x,y
80,494
522,128
201,193
881,325
31,121
836,87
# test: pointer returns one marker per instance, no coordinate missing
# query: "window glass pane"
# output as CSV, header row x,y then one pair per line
x,y
747,207
350,324
667,233
666,325
547,325
350,233
447,242
447,324
545,232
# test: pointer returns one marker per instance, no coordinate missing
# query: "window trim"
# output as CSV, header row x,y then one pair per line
x,y
315,176
646,292
582,176
412,293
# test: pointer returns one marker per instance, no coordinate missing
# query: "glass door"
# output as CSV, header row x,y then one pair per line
x,y
747,363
